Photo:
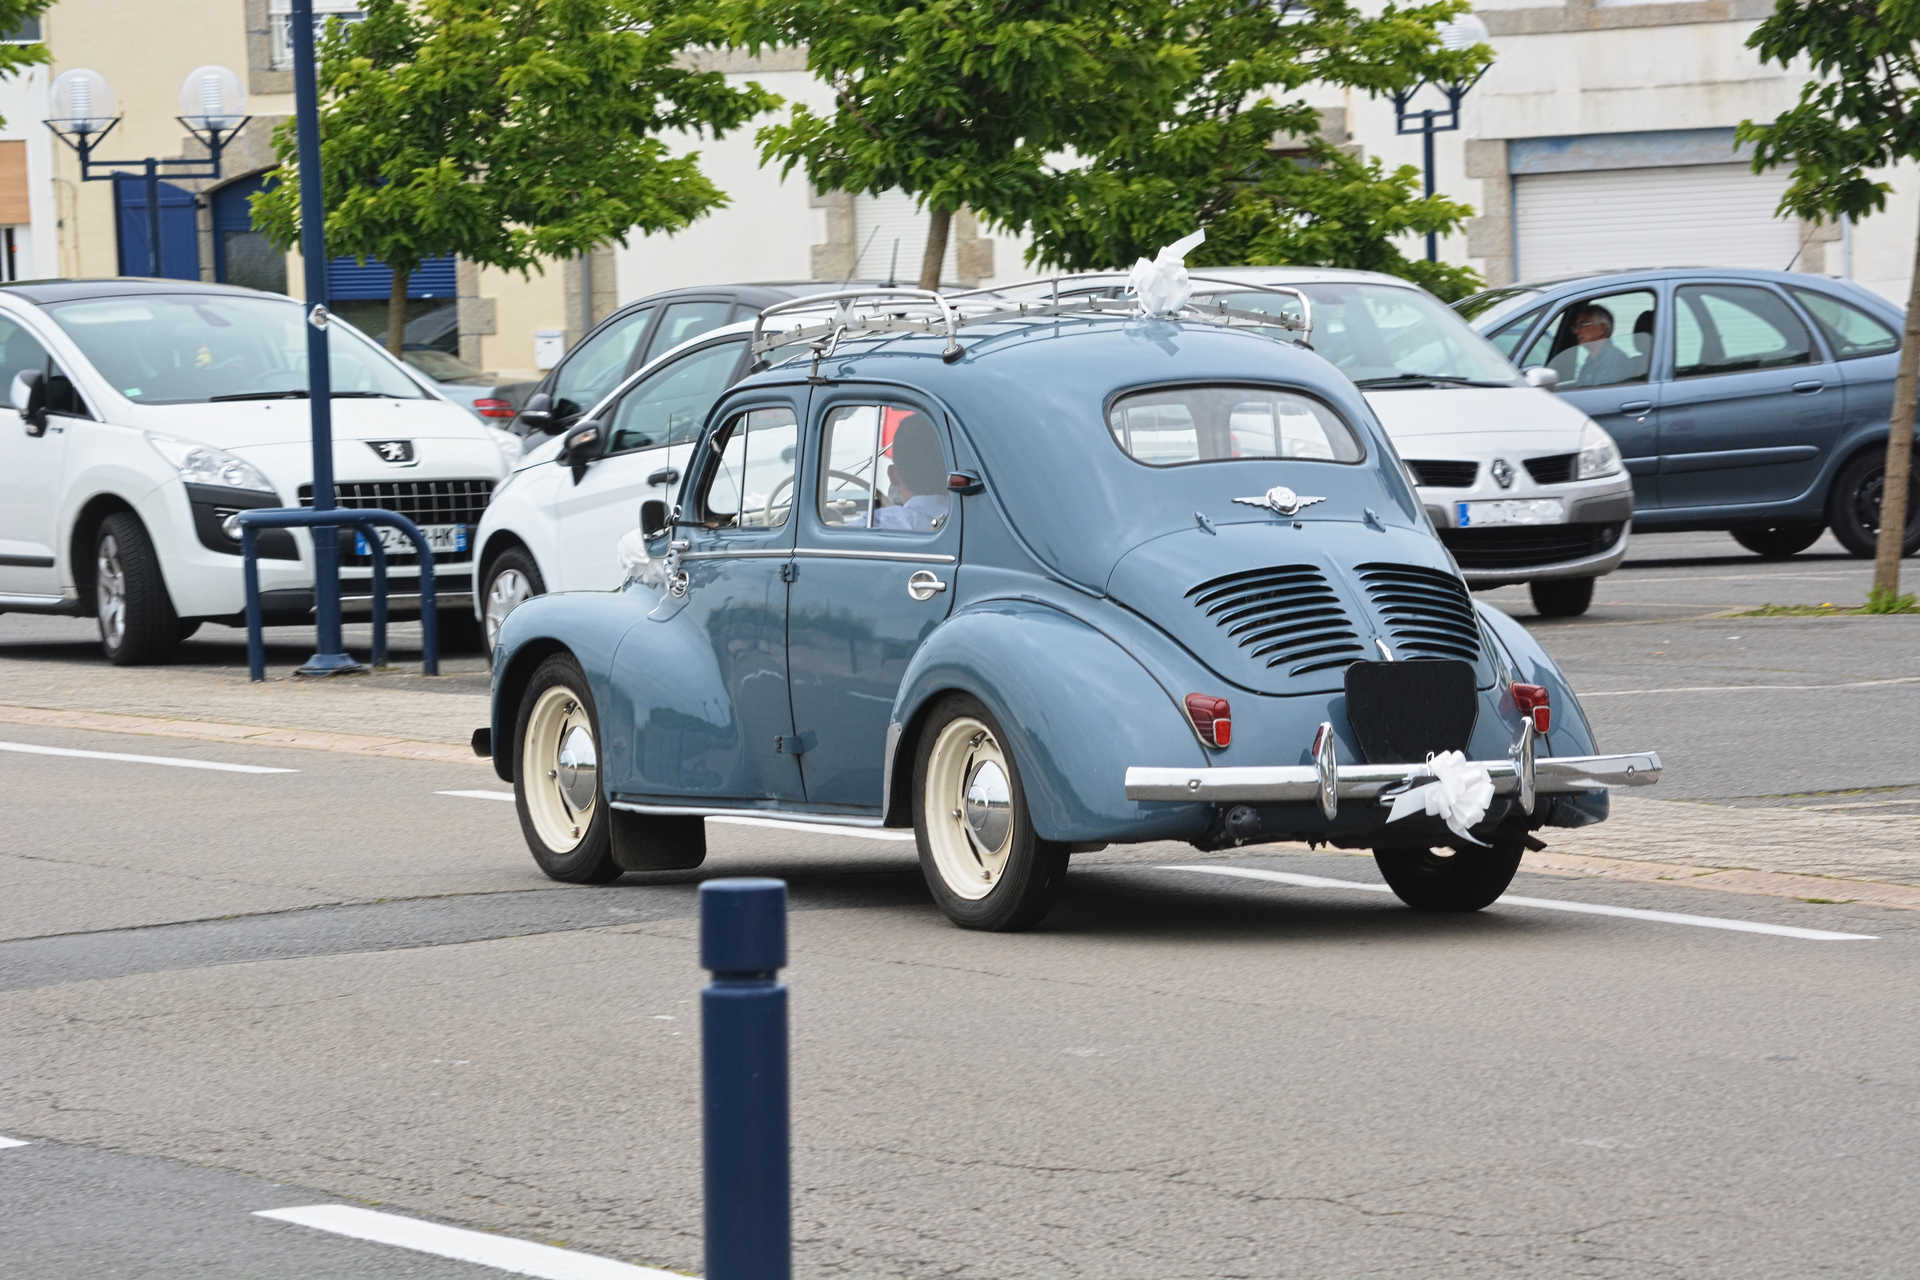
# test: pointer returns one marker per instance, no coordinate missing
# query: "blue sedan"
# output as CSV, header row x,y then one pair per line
x,y
1751,401
1030,582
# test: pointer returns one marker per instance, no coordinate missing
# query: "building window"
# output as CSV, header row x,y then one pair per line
x,y
280,29
25,31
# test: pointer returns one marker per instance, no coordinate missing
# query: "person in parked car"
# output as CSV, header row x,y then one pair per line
x,y
918,474
1593,361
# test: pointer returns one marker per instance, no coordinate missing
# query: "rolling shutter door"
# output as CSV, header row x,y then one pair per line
x,y
1703,215
348,281
890,235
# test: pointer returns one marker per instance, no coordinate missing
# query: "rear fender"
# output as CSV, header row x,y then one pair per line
x,y
1571,735
1077,709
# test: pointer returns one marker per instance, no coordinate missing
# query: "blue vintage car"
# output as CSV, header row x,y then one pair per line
x,y
1032,581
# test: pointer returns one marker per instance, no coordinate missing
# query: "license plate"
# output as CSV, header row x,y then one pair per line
x,y
1512,511
442,539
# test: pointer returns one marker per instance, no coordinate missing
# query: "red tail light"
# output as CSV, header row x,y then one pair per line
x,y
1532,701
1212,719
491,408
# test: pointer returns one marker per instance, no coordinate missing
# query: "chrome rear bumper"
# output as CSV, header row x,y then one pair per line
x,y
1330,782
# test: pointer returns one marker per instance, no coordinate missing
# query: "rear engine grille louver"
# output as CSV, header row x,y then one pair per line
x,y
1426,613
1285,616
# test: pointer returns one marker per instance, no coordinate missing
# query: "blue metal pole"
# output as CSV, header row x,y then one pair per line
x,y
329,657
743,1053
250,577
153,218
1426,132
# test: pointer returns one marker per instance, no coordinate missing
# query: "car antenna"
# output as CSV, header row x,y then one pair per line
x,y
854,266
893,265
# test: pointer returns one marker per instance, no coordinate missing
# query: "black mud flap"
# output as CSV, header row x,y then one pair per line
x,y
657,842
1403,711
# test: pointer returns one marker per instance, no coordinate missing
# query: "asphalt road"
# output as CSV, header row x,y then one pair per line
x,y
224,992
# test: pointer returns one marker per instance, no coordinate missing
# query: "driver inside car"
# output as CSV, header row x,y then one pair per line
x,y
918,474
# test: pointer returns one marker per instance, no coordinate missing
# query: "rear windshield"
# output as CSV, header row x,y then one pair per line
x,y
1172,426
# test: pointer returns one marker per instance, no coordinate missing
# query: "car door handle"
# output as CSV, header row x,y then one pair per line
x,y
1634,408
1808,387
924,585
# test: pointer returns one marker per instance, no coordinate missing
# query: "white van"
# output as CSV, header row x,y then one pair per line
x,y
146,413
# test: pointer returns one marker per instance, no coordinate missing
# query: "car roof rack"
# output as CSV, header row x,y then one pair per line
x,y
888,310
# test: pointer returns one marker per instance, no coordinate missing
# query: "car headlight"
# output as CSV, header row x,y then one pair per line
x,y
203,464
1599,456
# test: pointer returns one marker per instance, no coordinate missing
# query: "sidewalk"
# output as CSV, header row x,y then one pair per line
x,y
398,713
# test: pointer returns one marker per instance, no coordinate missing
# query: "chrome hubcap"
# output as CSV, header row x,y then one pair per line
x,y
110,591
989,805
508,591
578,768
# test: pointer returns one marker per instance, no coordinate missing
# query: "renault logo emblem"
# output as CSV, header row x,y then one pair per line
x,y
1281,501
398,452
1502,473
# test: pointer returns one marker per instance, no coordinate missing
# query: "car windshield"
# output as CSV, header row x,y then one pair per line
x,y
1495,303
1171,426
440,366
195,348
1385,335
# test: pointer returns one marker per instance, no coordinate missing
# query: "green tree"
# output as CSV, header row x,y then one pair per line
x,y
958,102
1860,114
1239,149
506,131
18,57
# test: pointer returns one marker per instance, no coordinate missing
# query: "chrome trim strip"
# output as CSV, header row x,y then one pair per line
x,y
34,602
784,815
913,557
1300,782
745,553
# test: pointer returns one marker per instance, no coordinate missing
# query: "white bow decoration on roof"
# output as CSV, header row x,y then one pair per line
x,y
1161,287
1458,794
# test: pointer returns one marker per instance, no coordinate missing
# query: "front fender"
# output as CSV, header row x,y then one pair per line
x,y
1572,734
587,624
1076,707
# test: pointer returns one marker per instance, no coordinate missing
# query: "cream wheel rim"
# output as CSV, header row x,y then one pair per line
x,y
560,769
969,808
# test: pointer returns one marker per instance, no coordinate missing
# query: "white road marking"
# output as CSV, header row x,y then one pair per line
x,y
172,762
520,1257
1636,579
742,820
1748,688
13,1142
1549,904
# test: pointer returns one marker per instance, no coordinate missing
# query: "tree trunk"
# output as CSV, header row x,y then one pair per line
x,y
939,222
397,313
1893,493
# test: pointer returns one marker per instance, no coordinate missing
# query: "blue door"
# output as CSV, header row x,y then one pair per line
x,y
179,244
874,573
722,729
1603,346
242,255
1754,403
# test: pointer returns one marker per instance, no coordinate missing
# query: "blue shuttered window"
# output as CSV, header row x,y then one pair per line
x,y
348,281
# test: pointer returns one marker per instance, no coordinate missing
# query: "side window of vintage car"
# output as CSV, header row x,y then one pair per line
x,y
1173,426
883,467
751,483
668,405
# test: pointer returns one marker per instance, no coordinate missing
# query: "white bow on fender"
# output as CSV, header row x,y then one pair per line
x,y
1160,287
1458,794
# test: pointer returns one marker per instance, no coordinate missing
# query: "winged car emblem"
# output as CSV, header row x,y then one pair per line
x,y
1281,501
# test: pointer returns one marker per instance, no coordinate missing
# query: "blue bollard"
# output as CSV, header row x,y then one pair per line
x,y
743,1055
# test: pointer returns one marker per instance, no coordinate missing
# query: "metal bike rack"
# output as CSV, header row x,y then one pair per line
x,y
365,519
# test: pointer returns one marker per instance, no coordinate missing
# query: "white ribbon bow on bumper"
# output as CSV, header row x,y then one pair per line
x,y
1458,794
1161,287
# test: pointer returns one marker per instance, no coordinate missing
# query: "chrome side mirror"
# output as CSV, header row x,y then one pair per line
x,y
653,518
1542,377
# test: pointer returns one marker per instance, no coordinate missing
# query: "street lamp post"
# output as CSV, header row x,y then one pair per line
x,y
1463,32
211,102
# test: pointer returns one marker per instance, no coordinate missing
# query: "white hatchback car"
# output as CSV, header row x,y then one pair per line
x,y
146,413
556,521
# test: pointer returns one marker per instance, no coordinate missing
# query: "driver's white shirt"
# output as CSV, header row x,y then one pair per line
x,y
916,515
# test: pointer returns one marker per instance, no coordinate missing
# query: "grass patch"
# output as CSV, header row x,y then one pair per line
x,y
1877,604
1827,902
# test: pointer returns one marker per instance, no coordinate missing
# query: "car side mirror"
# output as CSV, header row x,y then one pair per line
x,y
653,518
537,413
585,442
1543,377
29,396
